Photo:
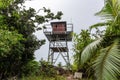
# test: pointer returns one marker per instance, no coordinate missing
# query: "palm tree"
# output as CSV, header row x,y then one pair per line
x,y
107,48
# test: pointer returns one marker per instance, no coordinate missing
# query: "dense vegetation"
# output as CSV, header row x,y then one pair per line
x,y
102,54
96,55
17,42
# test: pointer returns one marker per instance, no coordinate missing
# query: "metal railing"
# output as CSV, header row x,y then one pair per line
x,y
48,28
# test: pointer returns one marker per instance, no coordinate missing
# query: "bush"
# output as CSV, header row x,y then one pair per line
x,y
43,78
31,68
46,69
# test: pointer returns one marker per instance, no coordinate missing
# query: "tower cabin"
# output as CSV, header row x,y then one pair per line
x,y
58,34
59,31
58,27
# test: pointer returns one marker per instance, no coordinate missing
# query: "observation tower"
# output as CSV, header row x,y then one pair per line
x,y
58,35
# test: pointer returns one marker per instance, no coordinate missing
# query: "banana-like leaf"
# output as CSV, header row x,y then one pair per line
x,y
90,50
107,64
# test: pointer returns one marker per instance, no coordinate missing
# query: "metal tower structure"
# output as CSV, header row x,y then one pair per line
x,y
58,35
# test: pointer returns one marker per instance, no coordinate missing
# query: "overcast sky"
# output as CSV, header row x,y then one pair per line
x,y
79,12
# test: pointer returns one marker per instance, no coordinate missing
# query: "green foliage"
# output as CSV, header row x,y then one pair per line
x,y
5,3
18,43
46,69
41,71
80,41
7,40
89,50
8,62
106,49
108,62
31,68
45,78
59,65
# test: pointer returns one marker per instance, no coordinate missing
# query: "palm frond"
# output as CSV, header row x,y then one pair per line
x,y
106,11
90,50
110,10
107,65
102,24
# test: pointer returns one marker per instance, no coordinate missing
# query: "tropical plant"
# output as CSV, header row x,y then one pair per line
x,y
80,41
46,69
17,25
32,68
106,49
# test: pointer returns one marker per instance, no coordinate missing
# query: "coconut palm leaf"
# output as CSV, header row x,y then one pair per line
x,y
90,50
102,24
110,10
111,14
106,12
107,65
